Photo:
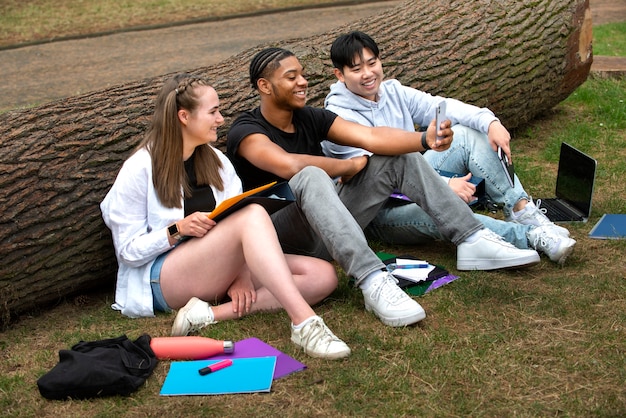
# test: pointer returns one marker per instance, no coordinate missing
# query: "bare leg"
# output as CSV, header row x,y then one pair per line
x,y
315,279
206,267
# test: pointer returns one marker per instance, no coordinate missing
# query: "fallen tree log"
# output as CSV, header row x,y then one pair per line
x,y
57,161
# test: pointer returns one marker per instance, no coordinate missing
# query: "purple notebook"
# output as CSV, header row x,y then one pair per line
x,y
253,347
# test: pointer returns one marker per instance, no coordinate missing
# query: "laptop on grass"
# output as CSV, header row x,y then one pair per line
x,y
574,187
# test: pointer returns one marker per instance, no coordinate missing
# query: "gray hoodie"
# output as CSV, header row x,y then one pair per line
x,y
398,106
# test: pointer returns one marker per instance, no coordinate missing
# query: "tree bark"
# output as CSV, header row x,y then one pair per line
x,y
58,160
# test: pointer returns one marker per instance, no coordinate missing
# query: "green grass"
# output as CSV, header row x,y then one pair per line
x,y
543,341
41,20
610,39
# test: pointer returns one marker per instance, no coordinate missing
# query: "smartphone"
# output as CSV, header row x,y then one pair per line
x,y
440,116
508,167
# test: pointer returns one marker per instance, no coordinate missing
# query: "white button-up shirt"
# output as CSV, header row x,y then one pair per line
x,y
138,222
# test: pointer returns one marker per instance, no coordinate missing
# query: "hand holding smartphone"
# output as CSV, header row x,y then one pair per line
x,y
508,167
440,116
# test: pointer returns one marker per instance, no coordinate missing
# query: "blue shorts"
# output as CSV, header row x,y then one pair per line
x,y
158,300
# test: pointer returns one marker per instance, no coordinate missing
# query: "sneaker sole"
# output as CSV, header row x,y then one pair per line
x,y
565,254
327,356
335,356
484,265
398,322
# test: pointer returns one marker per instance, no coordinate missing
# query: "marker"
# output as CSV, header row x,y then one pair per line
x,y
215,367
394,266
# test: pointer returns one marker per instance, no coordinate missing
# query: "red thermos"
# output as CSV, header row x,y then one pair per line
x,y
189,348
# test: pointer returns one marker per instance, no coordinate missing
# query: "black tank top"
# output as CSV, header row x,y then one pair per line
x,y
201,198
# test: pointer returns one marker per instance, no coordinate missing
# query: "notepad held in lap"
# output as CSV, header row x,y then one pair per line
x,y
271,196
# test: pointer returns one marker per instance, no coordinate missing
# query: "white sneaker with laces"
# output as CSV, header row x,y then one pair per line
x,y
491,252
556,246
317,340
196,314
390,303
532,215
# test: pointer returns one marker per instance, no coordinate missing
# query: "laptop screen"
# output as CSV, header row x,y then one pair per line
x,y
575,179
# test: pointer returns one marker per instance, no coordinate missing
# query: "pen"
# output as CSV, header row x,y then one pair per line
x,y
215,367
394,266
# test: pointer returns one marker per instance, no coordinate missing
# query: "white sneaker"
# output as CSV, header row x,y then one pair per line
x,y
532,215
318,341
196,314
556,246
391,304
491,252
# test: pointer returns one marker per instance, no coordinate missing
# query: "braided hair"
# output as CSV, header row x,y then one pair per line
x,y
266,62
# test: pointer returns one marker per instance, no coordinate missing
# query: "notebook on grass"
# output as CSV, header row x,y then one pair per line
x,y
253,347
245,375
437,277
610,226
574,187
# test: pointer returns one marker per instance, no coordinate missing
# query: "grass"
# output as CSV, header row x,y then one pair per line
x,y
610,39
42,20
545,341
538,342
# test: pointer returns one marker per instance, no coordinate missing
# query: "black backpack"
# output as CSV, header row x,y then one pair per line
x,y
115,366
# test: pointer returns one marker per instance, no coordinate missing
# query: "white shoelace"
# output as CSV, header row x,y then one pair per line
x,y
196,323
489,234
544,241
388,291
318,333
542,219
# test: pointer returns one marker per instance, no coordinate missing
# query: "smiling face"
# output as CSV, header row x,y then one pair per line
x,y
363,78
287,84
200,125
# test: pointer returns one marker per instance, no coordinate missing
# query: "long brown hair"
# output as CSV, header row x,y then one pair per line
x,y
164,142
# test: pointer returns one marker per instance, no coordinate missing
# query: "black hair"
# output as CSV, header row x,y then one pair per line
x,y
265,62
347,46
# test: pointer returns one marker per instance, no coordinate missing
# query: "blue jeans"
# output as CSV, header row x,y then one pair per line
x,y
409,224
470,152
158,301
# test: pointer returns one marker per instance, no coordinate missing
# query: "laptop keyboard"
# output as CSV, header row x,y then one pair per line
x,y
555,213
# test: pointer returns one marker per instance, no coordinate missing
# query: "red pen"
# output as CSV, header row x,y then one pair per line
x,y
215,367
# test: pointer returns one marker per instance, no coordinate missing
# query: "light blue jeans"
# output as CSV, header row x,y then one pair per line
x,y
409,224
470,152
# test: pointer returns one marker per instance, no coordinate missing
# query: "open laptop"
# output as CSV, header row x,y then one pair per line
x,y
574,187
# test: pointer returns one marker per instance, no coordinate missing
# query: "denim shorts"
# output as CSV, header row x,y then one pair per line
x,y
158,300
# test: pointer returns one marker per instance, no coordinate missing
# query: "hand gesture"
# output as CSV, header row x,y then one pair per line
x,y
242,293
195,225
444,132
358,164
499,136
463,188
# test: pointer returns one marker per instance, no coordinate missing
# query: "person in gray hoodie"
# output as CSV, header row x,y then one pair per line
x,y
362,95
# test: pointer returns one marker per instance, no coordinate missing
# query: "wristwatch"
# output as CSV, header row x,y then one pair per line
x,y
173,231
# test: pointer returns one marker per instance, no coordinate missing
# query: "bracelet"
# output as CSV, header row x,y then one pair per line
x,y
424,143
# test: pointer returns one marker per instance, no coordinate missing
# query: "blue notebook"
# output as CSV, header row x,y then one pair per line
x,y
610,226
246,375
